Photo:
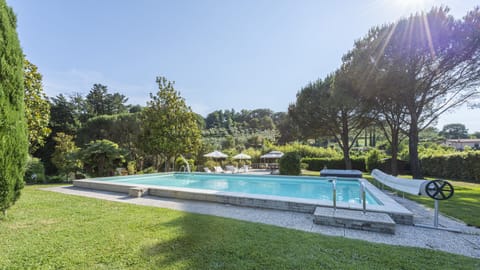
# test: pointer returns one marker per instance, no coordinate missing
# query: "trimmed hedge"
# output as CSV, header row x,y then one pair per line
x,y
290,164
317,164
464,166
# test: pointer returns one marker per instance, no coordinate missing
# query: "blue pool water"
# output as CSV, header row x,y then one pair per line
x,y
348,189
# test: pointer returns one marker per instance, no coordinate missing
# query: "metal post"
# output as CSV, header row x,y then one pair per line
x,y
435,216
334,197
363,197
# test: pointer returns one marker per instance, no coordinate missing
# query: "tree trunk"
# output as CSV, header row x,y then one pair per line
x,y
346,153
413,150
394,162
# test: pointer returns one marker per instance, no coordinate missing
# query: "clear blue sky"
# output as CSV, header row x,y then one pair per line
x,y
222,54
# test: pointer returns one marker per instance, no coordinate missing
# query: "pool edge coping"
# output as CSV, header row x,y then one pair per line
x,y
399,213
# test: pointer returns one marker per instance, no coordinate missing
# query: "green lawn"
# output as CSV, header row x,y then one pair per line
x,y
464,205
48,230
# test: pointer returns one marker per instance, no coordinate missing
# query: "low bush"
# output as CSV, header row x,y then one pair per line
x,y
35,172
132,167
148,170
290,164
373,160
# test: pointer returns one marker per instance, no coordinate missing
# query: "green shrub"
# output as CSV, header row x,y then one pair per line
x,y
309,151
149,170
317,164
132,167
210,164
463,166
56,179
35,172
303,165
373,160
290,164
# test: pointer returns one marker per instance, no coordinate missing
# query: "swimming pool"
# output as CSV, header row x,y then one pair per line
x,y
292,193
319,188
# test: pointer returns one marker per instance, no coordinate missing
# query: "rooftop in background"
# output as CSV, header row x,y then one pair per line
x,y
460,144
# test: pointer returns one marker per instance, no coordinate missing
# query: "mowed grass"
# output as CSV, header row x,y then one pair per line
x,y
48,230
464,205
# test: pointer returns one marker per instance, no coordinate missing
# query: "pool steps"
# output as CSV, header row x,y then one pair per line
x,y
352,219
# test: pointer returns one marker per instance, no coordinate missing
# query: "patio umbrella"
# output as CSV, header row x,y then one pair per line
x,y
272,155
242,156
216,154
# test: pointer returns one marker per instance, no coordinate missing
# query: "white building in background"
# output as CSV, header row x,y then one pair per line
x,y
460,144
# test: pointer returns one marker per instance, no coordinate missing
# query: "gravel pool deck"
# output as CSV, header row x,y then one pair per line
x,y
465,243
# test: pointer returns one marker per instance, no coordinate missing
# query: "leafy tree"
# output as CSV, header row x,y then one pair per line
x,y
378,95
37,107
454,131
65,157
435,67
63,115
327,109
13,126
97,100
169,126
123,129
100,102
476,135
100,157
430,134
286,127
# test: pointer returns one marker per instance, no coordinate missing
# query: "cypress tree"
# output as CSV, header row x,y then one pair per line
x,y
13,128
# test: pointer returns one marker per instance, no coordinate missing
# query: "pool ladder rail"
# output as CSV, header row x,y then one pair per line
x,y
362,194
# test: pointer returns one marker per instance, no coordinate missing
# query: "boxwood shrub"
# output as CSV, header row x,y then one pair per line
x,y
290,164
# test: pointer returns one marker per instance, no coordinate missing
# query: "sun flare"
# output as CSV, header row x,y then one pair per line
x,y
412,6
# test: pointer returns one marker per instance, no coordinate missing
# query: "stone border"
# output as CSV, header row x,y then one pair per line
x,y
399,213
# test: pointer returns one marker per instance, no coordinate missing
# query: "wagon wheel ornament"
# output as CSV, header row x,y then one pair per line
x,y
439,190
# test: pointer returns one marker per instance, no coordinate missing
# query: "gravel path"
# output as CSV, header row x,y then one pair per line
x,y
465,243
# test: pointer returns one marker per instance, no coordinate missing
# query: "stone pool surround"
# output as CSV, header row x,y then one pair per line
x,y
398,213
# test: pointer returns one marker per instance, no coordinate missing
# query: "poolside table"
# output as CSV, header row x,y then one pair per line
x,y
341,173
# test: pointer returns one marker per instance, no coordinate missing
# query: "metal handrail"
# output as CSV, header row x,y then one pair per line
x,y
363,197
334,190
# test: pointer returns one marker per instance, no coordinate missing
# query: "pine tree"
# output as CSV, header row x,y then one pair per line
x,y
13,127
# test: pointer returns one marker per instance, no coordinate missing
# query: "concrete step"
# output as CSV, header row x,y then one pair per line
x,y
353,219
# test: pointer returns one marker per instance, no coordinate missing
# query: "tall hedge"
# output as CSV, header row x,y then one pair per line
x,y
13,128
463,166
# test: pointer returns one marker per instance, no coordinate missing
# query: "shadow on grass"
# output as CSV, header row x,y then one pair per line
x,y
206,242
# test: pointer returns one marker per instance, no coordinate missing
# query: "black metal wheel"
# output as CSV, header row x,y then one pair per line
x,y
439,190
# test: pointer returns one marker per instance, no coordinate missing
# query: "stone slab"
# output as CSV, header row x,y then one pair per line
x,y
368,221
137,192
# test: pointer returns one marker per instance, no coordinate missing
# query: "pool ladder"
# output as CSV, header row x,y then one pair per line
x,y
362,194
